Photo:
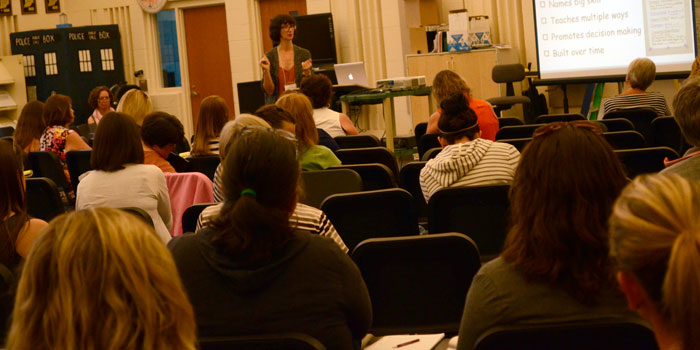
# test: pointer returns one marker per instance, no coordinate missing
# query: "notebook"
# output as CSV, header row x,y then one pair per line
x,y
351,73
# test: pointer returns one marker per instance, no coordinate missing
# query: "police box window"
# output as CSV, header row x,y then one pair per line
x,y
29,66
107,58
84,59
50,63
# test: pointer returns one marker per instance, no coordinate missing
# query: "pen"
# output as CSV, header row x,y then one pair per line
x,y
407,343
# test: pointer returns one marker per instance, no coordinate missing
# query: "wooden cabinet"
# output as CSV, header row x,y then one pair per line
x,y
474,66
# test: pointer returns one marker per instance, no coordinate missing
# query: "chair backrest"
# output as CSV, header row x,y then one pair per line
x,y
508,73
517,143
616,124
205,165
371,214
7,131
551,118
625,139
409,180
366,155
431,153
480,212
191,215
286,341
182,146
509,121
78,162
517,132
180,164
47,164
641,118
374,176
417,284
667,133
43,200
358,141
420,130
322,183
645,160
139,213
578,336
427,142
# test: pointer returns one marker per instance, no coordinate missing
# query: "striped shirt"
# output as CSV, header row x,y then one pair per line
x,y
214,146
654,100
478,162
304,218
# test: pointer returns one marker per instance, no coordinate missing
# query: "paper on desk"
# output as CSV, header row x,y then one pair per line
x,y
6,100
426,342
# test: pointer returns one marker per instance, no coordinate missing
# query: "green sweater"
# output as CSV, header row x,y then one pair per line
x,y
318,158
300,55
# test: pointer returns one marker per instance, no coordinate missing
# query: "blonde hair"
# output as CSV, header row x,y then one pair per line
x,y
300,107
137,104
100,279
448,83
213,115
641,73
655,236
231,130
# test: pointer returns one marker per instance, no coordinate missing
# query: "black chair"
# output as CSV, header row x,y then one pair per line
x,y
78,162
182,146
518,143
86,131
616,124
43,199
380,155
480,212
597,335
427,142
667,133
286,341
191,215
409,180
371,214
625,139
551,118
417,284
139,213
374,176
7,131
509,121
180,164
358,141
430,154
645,160
641,118
205,165
322,183
508,74
517,132
420,130
47,164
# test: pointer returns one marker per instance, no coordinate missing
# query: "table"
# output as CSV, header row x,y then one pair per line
x,y
386,98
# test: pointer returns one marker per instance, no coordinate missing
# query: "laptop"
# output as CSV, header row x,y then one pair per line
x,y
351,73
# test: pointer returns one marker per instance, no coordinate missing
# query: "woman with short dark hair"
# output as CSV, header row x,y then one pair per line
x,y
319,90
120,179
554,267
160,133
100,100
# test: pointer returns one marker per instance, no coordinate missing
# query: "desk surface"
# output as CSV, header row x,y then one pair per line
x,y
378,97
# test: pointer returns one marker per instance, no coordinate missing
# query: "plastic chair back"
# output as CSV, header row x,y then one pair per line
x,y
358,141
374,176
7,131
616,124
47,164
191,215
139,213
43,200
287,341
427,142
379,155
641,118
517,132
78,162
551,118
625,139
431,153
409,180
420,130
645,160
667,133
205,165
517,143
509,121
180,164
318,185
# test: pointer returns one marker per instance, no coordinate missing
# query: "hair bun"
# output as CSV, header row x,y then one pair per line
x,y
454,104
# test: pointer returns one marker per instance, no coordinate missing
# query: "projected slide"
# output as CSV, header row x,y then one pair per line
x,y
599,38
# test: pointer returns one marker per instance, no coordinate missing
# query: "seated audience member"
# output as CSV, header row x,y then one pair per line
x,y
100,99
137,104
101,279
640,74
17,228
251,272
305,217
57,138
319,89
213,114
120,179
654,235
686,105
554,267
278,118
312,156
30,127
695,68
160,133
466,159
448,83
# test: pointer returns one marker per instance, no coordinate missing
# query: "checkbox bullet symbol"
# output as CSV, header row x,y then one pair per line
x,y
545,37
544,21
542,4
546,53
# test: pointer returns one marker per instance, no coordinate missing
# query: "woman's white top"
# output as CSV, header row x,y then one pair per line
x,y
137,185
328,120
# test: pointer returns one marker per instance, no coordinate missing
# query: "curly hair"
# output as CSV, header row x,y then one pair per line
x,y
318,88
276,26
95,95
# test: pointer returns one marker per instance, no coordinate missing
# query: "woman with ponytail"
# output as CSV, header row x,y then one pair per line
x,y
466,158
252,272
655,241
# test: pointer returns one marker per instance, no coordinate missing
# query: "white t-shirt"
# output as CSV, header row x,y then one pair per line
x,y
328,120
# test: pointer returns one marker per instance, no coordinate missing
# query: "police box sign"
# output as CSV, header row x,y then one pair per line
x,y
35,40
38,38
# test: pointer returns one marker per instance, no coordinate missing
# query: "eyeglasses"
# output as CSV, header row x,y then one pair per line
x,y
554,127
104,98
289,26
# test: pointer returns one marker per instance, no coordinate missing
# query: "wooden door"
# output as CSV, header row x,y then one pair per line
x,y
272,8
208,56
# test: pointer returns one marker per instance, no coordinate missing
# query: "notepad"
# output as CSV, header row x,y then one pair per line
x,y
425,342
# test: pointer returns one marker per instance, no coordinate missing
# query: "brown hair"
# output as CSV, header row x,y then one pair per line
x,y
30,124
12,185
641,73
117,142
161,129
686,106
95,95
275,115
318,88
300,107
213,114
695,68
57,110
457,119
561,197
447,83
276,26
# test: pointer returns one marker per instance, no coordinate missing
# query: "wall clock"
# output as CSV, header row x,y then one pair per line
x,y
151,6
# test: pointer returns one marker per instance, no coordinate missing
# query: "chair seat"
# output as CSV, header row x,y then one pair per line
x,y
508,100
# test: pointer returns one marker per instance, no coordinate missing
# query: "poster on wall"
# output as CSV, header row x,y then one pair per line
x,y
5,8
53,6
28,7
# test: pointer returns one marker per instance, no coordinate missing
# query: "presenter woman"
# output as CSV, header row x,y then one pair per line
x,y
284,65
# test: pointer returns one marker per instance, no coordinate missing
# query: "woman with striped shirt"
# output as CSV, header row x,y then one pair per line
x,y
213,114
640,74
